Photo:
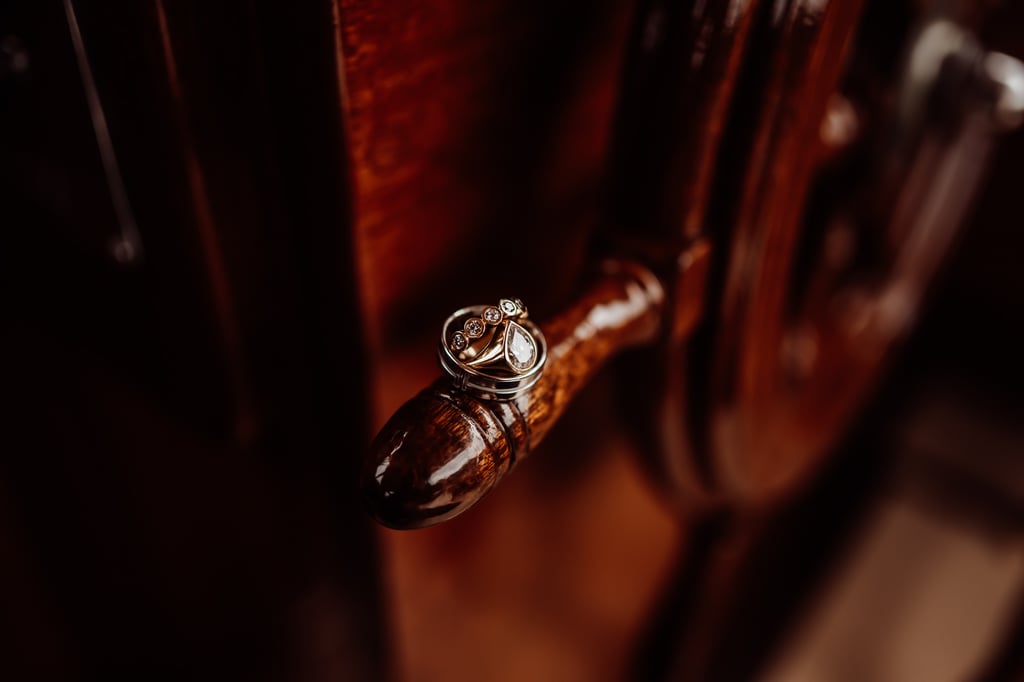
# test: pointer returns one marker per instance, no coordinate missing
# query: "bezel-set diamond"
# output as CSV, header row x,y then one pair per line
x,y
511,307
474,327
492,315
494,352
459,341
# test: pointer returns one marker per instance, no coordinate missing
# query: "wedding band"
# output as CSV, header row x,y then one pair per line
x,y
492,351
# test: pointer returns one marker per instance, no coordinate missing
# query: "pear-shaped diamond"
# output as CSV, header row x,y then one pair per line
x,y
520,348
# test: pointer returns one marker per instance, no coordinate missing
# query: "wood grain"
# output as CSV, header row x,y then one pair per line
x,y
444,449
478,136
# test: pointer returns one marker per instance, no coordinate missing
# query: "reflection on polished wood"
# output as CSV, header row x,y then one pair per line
x,y
551,578
444,449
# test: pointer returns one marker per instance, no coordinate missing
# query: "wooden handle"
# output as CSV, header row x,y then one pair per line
x,y
445,449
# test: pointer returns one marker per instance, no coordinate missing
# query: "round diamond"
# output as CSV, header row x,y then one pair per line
x,y
508,307
474,327
459,341
492,315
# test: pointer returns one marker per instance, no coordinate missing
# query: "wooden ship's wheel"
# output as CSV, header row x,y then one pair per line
x,y
239,235
783,187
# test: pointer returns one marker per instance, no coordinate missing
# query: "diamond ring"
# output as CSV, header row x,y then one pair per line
x,y
492,351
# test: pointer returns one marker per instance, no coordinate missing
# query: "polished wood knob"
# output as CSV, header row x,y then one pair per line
x,y
445,449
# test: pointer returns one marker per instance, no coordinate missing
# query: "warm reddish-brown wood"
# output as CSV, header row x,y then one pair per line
x,y
179,426
680,78
761,431
670,144
445,449
478,135
312,181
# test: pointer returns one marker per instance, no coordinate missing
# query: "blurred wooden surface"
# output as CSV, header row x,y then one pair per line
x,y
551,577
480,576
478,135
178,434
177,486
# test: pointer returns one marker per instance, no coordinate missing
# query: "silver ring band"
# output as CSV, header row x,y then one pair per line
x,y
493,352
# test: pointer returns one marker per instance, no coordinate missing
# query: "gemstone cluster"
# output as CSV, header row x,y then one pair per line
x,y
518,347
